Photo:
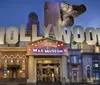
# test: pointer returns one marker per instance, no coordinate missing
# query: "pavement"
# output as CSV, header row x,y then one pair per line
x,y
16,83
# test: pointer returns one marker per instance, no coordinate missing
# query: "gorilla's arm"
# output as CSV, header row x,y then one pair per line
x,y
78,10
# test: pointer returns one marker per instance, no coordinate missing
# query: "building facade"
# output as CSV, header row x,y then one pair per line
x,y
44,60
47,59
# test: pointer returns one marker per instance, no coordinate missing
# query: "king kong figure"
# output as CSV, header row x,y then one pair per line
x,y
68,13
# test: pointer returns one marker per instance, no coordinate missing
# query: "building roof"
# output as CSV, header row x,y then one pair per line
x,y
33,16
48,39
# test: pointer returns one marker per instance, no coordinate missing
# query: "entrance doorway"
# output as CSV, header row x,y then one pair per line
x,y
48,71
13,71
74,76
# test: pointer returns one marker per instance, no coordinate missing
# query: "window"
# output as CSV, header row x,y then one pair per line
x,y
23,60
79,60
88,72
17,60
75,74
96,60
5,61
87,61
97,75
5,73
95,63
12,60
74,59
23,73
23,67
39,61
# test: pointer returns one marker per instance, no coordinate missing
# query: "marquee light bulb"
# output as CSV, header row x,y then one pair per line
x,y
65,50
62,44
58,45
36,45
32,44
29,49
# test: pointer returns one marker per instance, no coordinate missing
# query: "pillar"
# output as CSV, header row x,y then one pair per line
x,y
64,69
0,58
31,70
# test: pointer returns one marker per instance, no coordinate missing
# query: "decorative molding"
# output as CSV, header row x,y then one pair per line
x,y
13,49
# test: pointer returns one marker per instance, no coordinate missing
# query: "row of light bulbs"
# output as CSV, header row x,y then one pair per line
x,y
58,45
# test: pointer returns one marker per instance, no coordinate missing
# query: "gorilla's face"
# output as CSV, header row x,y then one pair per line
x,y
64,6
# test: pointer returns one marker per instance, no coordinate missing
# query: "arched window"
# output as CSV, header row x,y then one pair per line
x,y
23,60
88,72
23,66
17,59
5,66
5,59
12,59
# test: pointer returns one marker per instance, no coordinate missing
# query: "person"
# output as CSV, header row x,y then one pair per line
x,y
68,13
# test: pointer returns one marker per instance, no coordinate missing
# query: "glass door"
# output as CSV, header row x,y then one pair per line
x,y
14,74
75,76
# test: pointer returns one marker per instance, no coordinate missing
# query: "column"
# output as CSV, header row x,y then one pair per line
x,y
0,58
64,68
31,70
34,72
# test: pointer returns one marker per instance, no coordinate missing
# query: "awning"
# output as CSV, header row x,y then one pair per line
x,y
13,67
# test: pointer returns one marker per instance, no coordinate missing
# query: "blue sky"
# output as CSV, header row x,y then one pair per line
x,y
15,12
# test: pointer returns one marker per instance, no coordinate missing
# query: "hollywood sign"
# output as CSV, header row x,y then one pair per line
x,y
79,34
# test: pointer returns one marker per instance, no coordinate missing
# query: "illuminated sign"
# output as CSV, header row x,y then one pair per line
x,y
46,43
48,51
90,35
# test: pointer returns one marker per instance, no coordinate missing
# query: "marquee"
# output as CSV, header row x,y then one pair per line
x,y
47,46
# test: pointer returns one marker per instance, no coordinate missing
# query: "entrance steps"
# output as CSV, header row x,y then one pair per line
x,y
12,83
48,83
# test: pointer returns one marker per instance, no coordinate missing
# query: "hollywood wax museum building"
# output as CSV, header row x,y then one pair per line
x,y
31,61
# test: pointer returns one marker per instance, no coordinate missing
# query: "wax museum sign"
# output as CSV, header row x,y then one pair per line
x,y
80,34
47,46
48,51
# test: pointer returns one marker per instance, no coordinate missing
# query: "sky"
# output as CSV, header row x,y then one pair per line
x,y
15,12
